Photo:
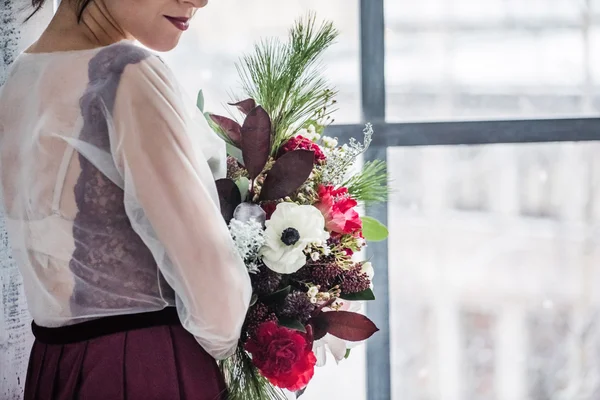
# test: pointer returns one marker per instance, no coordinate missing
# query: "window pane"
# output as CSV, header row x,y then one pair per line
x,y
453,59
493,268
224,31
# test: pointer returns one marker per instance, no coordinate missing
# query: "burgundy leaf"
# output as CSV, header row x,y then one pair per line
x,y
245,106
230,127
310,339
289,172
318,326
229,197
256,141
349,326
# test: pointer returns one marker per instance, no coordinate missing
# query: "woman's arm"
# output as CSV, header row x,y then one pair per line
x,y
171,199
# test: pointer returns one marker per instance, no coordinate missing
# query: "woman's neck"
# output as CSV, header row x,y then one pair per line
x,y
96,29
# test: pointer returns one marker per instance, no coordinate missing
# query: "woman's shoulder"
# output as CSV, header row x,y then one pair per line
x,y
113,59
129,65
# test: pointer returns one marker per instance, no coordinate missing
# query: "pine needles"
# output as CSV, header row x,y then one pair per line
x,y
244,381
286,78
370,185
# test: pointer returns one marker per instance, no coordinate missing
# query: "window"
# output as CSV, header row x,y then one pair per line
x,y
548,355
510,288
479,353
449,59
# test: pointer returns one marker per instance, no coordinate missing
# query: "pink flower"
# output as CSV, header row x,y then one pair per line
x,y
299,142
338,209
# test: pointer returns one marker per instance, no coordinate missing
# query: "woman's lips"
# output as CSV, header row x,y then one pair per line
x,y
181,23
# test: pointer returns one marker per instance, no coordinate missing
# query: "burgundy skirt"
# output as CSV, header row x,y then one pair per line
x,y
140,356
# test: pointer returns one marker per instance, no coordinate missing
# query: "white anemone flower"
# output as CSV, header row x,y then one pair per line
x,y
291,229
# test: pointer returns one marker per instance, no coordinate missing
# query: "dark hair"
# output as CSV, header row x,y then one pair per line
x,y
38,4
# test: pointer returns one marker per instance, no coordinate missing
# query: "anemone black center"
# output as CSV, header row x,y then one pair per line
x,y
290,236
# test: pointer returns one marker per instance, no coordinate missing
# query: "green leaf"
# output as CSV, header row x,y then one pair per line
x,y
277,296
374,230
292,324
200,101
244,185
359,296
235,153
347,353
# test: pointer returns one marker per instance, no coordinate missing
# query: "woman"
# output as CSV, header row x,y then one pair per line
x,y
108,182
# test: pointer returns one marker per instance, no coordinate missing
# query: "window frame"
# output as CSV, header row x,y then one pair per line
x,y
459,132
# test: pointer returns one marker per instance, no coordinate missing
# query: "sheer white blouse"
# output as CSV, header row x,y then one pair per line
x,y
107,178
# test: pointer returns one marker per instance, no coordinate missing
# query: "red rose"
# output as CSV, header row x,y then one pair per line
x,y
282,355
338,209
299,142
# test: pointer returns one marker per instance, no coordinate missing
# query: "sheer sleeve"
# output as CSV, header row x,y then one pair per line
x,y
168,162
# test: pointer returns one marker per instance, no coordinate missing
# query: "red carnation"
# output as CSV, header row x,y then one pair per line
x,y
299,142
338,209
282,355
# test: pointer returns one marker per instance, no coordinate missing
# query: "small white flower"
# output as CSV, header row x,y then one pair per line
x,y
315,256
329,142
291,229
367,268
313,300
326,251
313,291
311,133
326,296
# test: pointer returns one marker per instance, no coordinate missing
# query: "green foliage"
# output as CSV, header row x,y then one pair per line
x,y
370,185
200,101
292,324
286,78
374,230
365,295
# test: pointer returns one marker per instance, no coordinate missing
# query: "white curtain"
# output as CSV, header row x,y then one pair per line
x,y
15,331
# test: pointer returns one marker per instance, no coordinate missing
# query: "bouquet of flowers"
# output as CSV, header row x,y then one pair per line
x,y
290,200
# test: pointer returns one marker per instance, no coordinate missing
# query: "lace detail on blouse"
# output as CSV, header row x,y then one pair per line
x,y
115,269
